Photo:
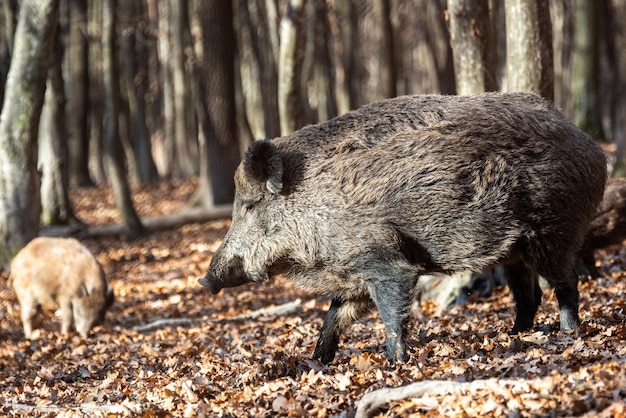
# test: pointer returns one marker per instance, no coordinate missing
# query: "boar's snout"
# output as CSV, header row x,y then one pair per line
x,y
212,283
223,275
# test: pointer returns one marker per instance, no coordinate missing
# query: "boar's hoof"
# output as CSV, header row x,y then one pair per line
x,y
212,285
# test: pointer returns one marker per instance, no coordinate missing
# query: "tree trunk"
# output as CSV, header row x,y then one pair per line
x,y
169,116
112,144
259,69
56,207
77,93
96,95
471,38
20,204
187,164
134,81
325,74
289,68
7,31
529,47
619,109
219,148
584,68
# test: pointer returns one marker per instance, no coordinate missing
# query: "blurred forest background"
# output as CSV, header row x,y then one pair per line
x,y
140,91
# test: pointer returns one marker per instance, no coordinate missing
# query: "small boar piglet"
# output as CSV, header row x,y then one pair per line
x,y
60,273
361,206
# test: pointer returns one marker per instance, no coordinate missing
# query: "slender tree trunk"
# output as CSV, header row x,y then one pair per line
x,y
7,31
169,115
56,207
187,164
340,53
139,136
470,31
289,68
20,205
324,45
618,117
387,50
529,47
112,144
258,25
219,151
77,93
96,94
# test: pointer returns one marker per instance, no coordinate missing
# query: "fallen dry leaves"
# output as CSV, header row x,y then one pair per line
x,y
169,348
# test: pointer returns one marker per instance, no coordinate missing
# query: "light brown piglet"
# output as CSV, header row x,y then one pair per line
x,y
60,273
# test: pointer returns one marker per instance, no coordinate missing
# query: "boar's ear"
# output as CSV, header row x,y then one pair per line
x,y
82,292
263,163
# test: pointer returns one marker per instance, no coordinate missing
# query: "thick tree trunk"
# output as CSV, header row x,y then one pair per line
x,y
112,144
529,47
20,205
471,38
219,147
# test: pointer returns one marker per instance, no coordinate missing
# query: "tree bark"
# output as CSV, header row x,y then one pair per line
x,y
9,15
77,93
20,205
215,103
169,116
471,38
289,68
584,81
112,144
96,95
187,164
619,109
529,47
134,82
56,207
259,25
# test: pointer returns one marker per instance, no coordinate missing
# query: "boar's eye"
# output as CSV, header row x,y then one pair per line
x,y
248,206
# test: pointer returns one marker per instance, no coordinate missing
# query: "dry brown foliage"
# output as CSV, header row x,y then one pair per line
x,y
169,348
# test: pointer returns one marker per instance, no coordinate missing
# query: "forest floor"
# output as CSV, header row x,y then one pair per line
x,y
170,348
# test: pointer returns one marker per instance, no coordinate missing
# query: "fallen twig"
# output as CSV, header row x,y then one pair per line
x,y
162,323
156,223
273,310
372,401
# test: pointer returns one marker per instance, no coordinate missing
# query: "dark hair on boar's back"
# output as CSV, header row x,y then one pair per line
x,y
360,206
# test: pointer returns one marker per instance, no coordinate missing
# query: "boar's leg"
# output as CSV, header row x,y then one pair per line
x,y
393,300
67,316
29,309
524,283
566,290
568,298
340,314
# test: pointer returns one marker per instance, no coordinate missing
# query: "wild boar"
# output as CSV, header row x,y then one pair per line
x,y
361,206
60,273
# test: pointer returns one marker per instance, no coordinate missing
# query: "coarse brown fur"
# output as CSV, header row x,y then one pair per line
x,y
60,272
360,206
